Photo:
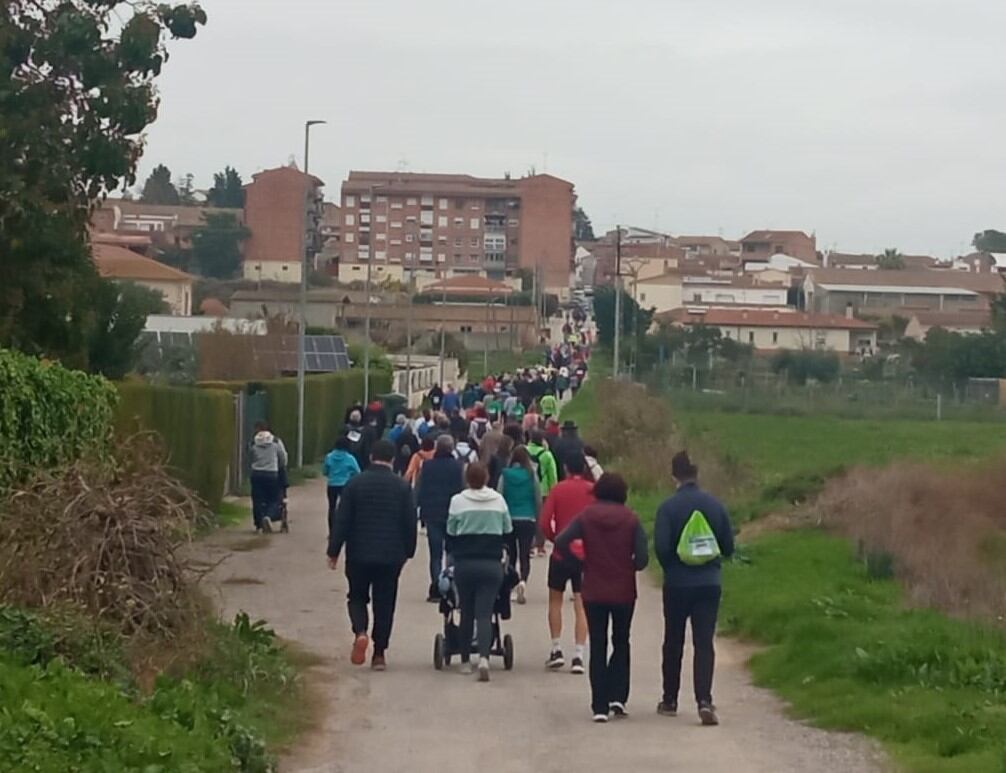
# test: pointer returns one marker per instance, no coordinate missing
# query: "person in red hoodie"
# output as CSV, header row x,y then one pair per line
x,y
614,549
567,499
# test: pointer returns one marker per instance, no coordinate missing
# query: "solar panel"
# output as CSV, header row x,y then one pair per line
x,y
322,354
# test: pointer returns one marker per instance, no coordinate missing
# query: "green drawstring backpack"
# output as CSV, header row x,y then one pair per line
x,y
698,544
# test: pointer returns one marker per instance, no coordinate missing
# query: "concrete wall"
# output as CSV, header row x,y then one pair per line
x,y
769,339
272,271
662,297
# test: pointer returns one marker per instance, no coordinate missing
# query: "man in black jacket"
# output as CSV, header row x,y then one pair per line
x,y
566,446
376,522
691,592
440,478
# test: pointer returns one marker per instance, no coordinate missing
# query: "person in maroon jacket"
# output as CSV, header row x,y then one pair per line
x,y
613,550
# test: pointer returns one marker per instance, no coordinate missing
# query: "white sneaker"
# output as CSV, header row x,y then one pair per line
x,y
601,718
618,709
465,669
483,669
521,593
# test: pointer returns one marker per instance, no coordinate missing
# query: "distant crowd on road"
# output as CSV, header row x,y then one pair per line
x,y
491,476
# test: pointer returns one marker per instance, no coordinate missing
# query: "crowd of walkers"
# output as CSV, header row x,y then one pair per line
x,y
492,476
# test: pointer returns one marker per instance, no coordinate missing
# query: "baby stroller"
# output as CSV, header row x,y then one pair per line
x,y
278,511
447,645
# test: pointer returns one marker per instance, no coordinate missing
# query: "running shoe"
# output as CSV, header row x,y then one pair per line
x,y
483,669
707,713
521,593
359,654
601,718
378,663
576,667
465,668
667,709
555,660
618,710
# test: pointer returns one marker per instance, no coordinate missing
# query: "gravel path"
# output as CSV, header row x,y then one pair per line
x,y
412,718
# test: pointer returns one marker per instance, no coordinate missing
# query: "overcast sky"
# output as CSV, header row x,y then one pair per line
x,y
875,123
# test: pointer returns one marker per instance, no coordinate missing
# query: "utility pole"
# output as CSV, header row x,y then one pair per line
x,y
408,332
618,299
366,317
443,328
301,343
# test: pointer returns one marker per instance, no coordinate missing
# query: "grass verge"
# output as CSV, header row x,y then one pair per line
x,y
847,653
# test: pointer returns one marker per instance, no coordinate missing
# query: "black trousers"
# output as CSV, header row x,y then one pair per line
x,y
609,677
334,492
519,545
700,605
265,494
375,584
478,581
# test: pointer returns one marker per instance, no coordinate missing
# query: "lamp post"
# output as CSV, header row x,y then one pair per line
x,y
618,300
301,358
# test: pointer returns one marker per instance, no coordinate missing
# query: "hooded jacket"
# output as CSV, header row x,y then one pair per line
x,y
439,480
339,467
477,524
614,549
672,516
267,453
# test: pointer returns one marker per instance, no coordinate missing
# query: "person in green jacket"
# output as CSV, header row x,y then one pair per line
x,y
549,406
520,488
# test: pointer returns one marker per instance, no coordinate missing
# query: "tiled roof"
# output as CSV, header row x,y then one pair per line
x,y
119,263
767,318
184,216
467,284
965,280
767,236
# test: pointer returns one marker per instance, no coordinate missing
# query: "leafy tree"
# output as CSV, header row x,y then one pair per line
x,y
121,312
582,228
634,317
891,260
227,190
76,96
186,190
216,246
801,366
990,241
158,189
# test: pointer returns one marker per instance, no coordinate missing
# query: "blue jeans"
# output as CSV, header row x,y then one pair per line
x,y
436,535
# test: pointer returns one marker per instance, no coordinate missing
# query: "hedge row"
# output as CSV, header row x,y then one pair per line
x,y
326,399
49,415
196,425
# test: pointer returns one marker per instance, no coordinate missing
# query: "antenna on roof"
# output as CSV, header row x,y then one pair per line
x,y
291,161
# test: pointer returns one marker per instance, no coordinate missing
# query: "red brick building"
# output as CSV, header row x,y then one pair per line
x,y
274,213
449,224
762,245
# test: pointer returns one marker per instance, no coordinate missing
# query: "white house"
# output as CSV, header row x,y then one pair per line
x,y
125,265
675,289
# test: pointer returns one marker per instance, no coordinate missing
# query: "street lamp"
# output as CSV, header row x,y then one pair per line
x,y
301,358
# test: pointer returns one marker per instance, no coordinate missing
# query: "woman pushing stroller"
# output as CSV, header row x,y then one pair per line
x,y
478,527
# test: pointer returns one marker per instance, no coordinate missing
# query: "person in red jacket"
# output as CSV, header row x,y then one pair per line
x,y
567,499
614,549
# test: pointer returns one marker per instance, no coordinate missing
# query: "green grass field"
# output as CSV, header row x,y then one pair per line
x,y
786,459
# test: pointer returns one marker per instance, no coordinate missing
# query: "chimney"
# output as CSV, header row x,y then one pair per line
x,y
849,311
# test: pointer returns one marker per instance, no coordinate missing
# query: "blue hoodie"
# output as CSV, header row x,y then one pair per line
x,y
339,467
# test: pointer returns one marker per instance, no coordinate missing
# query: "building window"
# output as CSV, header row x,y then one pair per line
x,y
442,239
442,221
751,337
441,257
350,219
396,204
426,217
410,218
459,203
380,237
775,336
459,222
475,206
410,255
408,238
475,241
473,258
382,218
696,297
396,223
350,236
382,199
466,328
642,296
513,222
380,254
350,201
457,242
412,201
285,267
396,242
443,203
474,223
365,198
427,201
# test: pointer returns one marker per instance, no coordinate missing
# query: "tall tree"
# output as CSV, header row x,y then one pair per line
x,y
227,190
891,260
186,190
120,312
216,246
990,241
158,189
76,95
582,228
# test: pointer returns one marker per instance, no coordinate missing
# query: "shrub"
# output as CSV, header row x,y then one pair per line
x,y
49,416
196,426
807,365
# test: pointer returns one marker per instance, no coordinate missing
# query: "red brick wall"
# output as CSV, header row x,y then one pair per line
x,y
546,227
274,213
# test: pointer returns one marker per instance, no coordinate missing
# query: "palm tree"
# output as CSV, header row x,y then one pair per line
x,y
891,260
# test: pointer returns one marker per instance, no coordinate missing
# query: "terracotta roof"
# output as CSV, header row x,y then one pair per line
x,y
472,285
839,259
965,280
439,184
184,216
119,263
767,236
766,318
120,239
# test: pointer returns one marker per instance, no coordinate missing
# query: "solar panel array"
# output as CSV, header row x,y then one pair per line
x,y
322,354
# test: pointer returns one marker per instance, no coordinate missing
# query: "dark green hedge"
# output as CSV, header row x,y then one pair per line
x,y
49,415
197,426
326,398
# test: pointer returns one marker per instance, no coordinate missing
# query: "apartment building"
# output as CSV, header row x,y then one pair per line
x,y
762,245
275,214
449,224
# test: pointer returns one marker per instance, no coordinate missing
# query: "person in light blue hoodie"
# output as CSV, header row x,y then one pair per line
x,y
339,467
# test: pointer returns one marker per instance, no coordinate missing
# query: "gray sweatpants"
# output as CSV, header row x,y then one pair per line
x,y
478,581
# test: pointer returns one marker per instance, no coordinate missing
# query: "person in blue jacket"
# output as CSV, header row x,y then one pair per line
x,y
339,467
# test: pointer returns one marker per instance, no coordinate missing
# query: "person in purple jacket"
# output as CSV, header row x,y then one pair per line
x,y
612,548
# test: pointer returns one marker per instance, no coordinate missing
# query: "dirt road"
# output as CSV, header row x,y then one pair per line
x,y
412,718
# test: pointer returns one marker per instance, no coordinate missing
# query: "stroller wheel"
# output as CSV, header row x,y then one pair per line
x,y
438,652
508,652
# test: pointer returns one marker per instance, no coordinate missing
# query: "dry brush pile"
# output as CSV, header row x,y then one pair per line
x,y
105,537
942,530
